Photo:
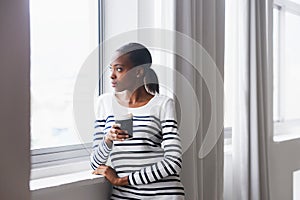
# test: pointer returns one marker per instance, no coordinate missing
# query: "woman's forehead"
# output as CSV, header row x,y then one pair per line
x,y
119,58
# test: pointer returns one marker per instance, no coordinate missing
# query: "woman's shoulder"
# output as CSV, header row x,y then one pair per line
x,y
103,100
105,97
167,107
164,98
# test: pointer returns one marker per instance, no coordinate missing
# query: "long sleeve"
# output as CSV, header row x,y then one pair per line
x,y
100,150
171,145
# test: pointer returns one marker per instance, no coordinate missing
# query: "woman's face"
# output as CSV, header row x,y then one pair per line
x,y
123,74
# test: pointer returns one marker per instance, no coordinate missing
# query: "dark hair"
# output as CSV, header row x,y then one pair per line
x,y
139,55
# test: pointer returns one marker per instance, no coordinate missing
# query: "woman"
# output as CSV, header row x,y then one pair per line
x,y
145,166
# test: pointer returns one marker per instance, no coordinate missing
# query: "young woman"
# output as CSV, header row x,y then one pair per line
x,y
147,165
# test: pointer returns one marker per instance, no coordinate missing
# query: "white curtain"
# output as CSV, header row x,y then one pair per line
x,y
253,99
203,22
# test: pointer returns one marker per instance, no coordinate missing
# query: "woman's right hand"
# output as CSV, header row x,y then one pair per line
x,y
115,133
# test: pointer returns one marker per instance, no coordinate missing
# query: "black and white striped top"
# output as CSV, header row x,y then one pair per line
x,y
151,158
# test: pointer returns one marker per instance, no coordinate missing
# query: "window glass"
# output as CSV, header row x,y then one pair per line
x,y
291,69
63,34
296,1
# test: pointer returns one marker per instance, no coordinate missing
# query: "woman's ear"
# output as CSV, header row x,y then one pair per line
x,y
140,72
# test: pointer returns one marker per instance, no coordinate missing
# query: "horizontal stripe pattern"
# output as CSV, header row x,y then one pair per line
x,y
167,188
151,158
100,151
171,161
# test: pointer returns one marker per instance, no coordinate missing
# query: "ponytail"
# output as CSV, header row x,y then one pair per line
x,y
151,81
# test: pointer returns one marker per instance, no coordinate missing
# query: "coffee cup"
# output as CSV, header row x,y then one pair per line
x,y
126,123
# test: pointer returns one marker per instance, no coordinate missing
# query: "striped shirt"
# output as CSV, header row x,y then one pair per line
x,y
151,158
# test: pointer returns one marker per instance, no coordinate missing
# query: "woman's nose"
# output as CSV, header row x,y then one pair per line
x,y
112,75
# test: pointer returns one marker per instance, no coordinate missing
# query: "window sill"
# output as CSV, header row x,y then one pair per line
x,y
80,178
284,131
66,174
69,181
286,137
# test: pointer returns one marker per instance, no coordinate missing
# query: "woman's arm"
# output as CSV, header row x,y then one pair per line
x,y
172,162
103,138
111,175
103,142
101,150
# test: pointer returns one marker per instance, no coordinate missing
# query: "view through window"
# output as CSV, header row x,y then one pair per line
x,y
63,34
286,62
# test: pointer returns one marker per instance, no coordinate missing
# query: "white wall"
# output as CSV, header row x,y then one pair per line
x,y
14,100
86,190
284,160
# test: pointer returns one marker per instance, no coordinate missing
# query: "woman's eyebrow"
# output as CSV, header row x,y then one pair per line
x,y
116,65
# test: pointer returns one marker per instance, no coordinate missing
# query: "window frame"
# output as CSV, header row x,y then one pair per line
x,y
46,157
288,5
54,156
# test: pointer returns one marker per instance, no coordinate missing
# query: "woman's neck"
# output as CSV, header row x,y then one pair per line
x,y
134,98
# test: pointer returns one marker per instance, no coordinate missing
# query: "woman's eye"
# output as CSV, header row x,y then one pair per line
x,y
119,69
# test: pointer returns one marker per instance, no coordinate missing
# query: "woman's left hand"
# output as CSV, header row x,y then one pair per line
x,y
111,175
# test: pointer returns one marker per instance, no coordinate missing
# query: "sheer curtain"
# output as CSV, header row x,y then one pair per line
x,y
203,22
253,100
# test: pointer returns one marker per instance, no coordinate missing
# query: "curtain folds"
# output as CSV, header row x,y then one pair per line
x,y
253,117
203,22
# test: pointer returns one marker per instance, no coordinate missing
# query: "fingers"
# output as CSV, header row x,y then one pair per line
x,y
117,134
117,129
108,172
116,126
100,170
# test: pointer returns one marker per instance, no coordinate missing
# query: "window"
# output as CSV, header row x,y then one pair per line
x,y
143,14
60,43
63,34
286,62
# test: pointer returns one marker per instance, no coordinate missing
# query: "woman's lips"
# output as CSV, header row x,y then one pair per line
x,y
113,84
